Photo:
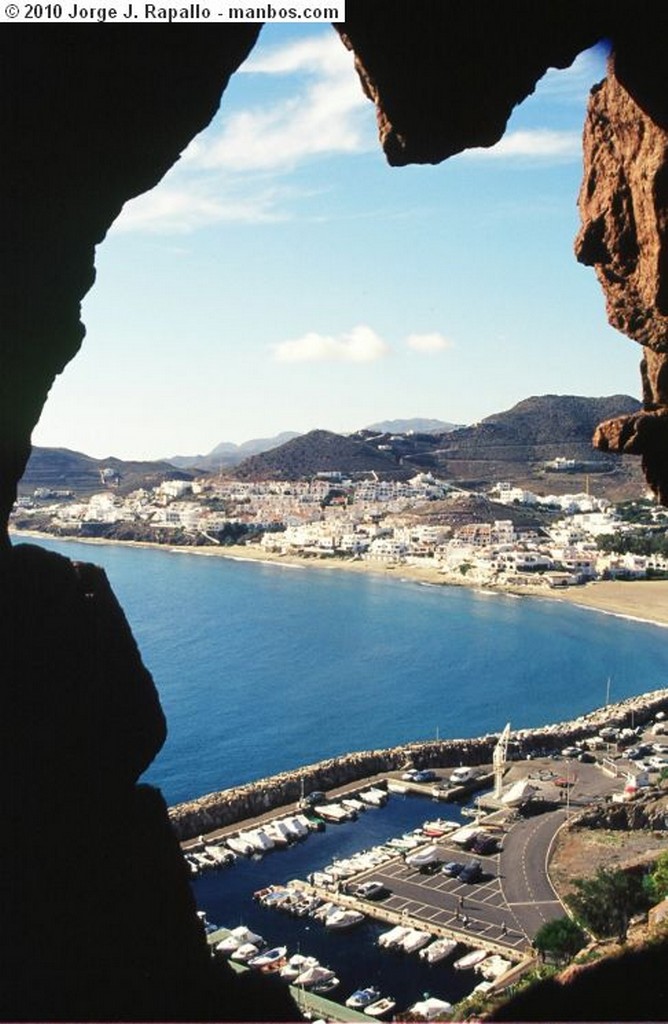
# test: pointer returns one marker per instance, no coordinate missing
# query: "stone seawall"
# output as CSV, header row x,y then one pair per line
x,y
217,810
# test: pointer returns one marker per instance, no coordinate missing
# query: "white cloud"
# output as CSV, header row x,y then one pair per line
x,y
326,113
533,144
360,345
428,344
182,210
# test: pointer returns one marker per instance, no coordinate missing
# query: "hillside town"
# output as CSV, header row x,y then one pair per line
x,y
466,536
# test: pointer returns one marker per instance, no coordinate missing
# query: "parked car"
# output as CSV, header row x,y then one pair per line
x,y
452,868
426,775
430,868
586,757
471,873
485,845
571,752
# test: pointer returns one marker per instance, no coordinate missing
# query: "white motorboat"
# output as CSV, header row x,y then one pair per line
x,y
415,940
332,812
317,974
439,827
269,957
492,967
259,840
394,937
476,956
438,950
326,985
239,844
381,1007
363,997
341,918
374,797
296,965
430,1009
237,937
244,952
519,793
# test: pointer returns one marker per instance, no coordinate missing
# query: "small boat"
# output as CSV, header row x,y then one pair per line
x,y
476,956
259,840
438,827
430,1009
296,965
332,812
438,950
393,937
363,997
341,918
269,957
492,967
325,985
373,797
239,844
244,952
237,937
315,975
320,913
381,1007
353,804
415,940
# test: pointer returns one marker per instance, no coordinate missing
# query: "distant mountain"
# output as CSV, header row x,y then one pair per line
x,y
62,469
517,445
228,454
416,425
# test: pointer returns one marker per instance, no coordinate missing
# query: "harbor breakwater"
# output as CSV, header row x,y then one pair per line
x,y
227,807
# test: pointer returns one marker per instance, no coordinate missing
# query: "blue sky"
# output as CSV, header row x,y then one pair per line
x,y
283,277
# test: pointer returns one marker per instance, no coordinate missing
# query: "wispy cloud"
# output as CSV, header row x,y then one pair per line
x,y
428,344
360,345
325,114
183,210
531,144
572,85
237,170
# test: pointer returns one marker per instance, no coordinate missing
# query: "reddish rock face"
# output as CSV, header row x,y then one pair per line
x,y
624,208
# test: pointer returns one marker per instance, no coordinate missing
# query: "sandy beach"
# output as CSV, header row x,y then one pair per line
x,y
644,600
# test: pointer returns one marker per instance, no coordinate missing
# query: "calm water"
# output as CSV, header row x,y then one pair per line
x,y
262,668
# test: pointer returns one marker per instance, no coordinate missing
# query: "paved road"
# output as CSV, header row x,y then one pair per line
x,y
525,884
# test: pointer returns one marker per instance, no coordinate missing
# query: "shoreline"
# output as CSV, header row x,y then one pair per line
x,y
644,601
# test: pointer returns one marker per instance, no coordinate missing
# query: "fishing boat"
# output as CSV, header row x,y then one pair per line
x,y
381,1007
438,950
363,997
476,956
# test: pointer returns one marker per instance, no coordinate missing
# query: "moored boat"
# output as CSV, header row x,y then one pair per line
x,y
237,937
415,940
269,957
381,1007
363,997
342,918
438,950
393,937
475,956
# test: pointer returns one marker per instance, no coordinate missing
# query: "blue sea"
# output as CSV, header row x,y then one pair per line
x,y
262,668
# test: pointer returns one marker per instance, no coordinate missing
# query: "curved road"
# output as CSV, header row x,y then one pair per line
x,y
523,873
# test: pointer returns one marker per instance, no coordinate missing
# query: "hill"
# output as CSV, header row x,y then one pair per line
x,y
321,451
62,469
519,445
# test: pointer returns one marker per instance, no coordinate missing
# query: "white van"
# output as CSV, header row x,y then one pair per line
x,y
461,775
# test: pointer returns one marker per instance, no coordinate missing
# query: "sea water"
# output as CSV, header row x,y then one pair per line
x,y
265,667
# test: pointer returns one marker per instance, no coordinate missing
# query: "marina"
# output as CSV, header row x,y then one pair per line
x,y
386,897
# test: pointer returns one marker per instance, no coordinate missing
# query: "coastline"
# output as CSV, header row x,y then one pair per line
x,y
638,600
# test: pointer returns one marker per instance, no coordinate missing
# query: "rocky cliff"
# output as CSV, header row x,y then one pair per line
x,y
97,918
